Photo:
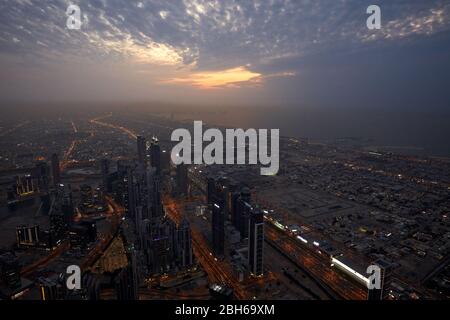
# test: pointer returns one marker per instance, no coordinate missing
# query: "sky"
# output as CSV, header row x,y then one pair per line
x,y
310,53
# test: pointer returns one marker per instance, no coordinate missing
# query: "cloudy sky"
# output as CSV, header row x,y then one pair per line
x,y
313,53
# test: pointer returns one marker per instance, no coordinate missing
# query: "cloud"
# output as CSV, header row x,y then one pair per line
x,y
425,23
146,51
234,77
208,43
212,34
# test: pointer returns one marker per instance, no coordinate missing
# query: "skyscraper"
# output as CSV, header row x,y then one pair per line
x,y
124,285
233,193
218,192
256,242
243,210
160,253
55,169
141,150
27,235
211,190
218,229
58,228
184,245
64,202
42,173
165,160
182,180
157,210
155,155
127,280
104,168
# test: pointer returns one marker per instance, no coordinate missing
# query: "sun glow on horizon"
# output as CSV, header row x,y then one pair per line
x,y
233,77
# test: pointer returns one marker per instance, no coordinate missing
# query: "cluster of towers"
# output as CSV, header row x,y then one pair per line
x,y
229,202
161,246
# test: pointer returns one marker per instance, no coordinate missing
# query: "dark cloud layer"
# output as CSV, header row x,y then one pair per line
x,y
312,52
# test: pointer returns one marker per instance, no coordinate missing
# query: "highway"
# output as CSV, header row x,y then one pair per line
x,y
45,261
151,294
318,265
66,158
92,256
65,161
127,131
218,271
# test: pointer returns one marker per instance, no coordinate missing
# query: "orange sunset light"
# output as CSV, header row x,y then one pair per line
x,y
217,79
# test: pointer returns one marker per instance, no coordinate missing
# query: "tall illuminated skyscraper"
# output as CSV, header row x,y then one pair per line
x,y
256,242
184,244
242,212
218,229
155,155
